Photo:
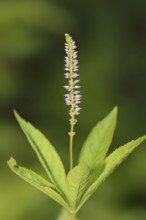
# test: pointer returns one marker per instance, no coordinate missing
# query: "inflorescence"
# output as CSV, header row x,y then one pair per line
x,y
73,98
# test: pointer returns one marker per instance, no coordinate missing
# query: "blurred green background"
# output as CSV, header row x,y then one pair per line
x,y
111,39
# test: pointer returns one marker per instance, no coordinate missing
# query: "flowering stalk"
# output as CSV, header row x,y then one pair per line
x,y
73,97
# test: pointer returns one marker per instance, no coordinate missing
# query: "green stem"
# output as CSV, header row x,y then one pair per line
x,y
71,146
73,215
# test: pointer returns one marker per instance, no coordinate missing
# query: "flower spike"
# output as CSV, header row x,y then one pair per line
x,y
71,66
73,97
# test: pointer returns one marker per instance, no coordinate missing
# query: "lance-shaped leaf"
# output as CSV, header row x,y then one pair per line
x,y
112,162
77,179
93,176
46,154
98,141
38,182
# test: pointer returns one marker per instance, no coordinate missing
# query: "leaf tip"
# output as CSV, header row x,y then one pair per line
x,y
17,116
19,119
113,114
143,138
115,110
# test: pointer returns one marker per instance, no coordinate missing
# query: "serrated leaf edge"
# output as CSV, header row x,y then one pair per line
x,y
43,187
103,175
42,159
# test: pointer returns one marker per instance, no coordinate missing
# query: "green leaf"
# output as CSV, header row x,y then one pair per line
x,y
94,174
77,179
98,141
46,154
38,182
112,162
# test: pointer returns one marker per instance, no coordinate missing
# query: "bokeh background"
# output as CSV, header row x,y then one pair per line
x,y
111,39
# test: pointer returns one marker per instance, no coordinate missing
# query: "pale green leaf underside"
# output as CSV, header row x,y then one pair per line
x,y
38,182
46,154
112,162
98,141
77,181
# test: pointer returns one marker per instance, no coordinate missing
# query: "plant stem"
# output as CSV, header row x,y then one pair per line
x,y
73,215
71,145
